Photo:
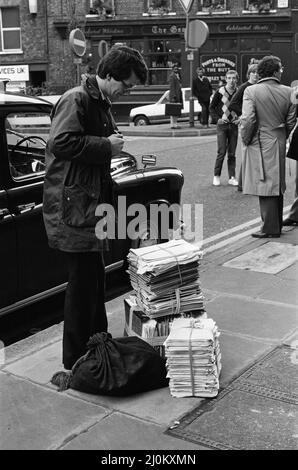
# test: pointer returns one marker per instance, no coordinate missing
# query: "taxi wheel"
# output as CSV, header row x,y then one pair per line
x,y
141,121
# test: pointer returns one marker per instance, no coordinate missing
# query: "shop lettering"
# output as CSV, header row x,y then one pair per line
x,y
246,28
164,29
218,62
11,70
99,31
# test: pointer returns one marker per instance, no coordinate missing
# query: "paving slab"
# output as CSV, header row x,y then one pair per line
x,y
39,366
290,273
37,418
120,432
238,353
244,421
254,318
236,281
270,258
285,291
258,411
157,406
33,343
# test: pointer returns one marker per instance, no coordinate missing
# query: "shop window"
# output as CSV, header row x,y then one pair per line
x,y
210,45
248,44
213,6
228,45
102,8
162,54
10,31
263,44
259,6
158,7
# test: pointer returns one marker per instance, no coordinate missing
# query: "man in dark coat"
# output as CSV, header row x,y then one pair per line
x,y
292,218
202,90
175,94
83,138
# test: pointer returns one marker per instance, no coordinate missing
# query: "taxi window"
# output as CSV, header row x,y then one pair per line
x,y
26,136
187,95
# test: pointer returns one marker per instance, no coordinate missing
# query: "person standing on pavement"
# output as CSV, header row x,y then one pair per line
x,y
268,116
237,100
227,127
292,218
83,138
175,93
202,90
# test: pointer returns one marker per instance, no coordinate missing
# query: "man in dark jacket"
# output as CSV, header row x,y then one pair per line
x,y
83,138
202,90
227,128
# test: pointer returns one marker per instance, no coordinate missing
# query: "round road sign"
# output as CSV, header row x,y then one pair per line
x,y
77,42
196,34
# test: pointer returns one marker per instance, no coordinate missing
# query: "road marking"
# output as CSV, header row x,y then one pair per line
x,y
226,233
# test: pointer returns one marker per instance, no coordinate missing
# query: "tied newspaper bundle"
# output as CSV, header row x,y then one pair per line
x,y
165,278
193,357
153,331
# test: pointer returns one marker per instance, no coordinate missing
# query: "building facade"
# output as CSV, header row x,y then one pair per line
x,y
36,41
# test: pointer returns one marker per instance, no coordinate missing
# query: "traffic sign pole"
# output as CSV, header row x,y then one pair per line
x,y
77,43
191,98
196,34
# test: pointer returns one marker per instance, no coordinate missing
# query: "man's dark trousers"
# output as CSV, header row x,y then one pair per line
x,y
84,308
205,112
271,208
227,137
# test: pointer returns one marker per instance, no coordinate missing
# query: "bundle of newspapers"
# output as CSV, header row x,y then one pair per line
x,y
193,357
165,278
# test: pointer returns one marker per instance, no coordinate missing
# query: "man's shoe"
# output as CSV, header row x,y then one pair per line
x,y
233,181
289,221
216,181
265,235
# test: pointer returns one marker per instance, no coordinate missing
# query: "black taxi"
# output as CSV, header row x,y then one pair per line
x,y
30,270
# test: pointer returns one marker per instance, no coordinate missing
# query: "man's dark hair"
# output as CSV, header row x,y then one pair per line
x,y
120,62
268,65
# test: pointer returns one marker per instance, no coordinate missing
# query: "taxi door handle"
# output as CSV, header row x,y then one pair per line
x,y
25,207
4,212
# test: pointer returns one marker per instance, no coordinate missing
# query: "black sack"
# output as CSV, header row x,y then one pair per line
x,y
117,367
173,109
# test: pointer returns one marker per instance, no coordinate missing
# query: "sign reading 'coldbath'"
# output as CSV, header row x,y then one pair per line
x,y
246,28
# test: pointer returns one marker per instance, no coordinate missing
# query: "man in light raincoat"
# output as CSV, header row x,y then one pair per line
x,y
268,116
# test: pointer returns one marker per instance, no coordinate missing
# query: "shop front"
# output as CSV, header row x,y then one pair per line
x,y
232,43
236,44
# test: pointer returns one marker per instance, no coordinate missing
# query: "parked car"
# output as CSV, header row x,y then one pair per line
x,y
155,113
30,270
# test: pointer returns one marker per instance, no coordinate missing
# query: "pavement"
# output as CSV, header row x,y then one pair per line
x,y
164,130
250,288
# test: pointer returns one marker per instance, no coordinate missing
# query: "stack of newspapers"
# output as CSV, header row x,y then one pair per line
x,y
193,357
165,278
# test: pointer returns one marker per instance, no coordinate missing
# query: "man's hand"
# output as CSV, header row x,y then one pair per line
x,y
117,143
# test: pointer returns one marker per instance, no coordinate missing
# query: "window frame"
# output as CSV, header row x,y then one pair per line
x,y
3,30
273,6
150,10
206,10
